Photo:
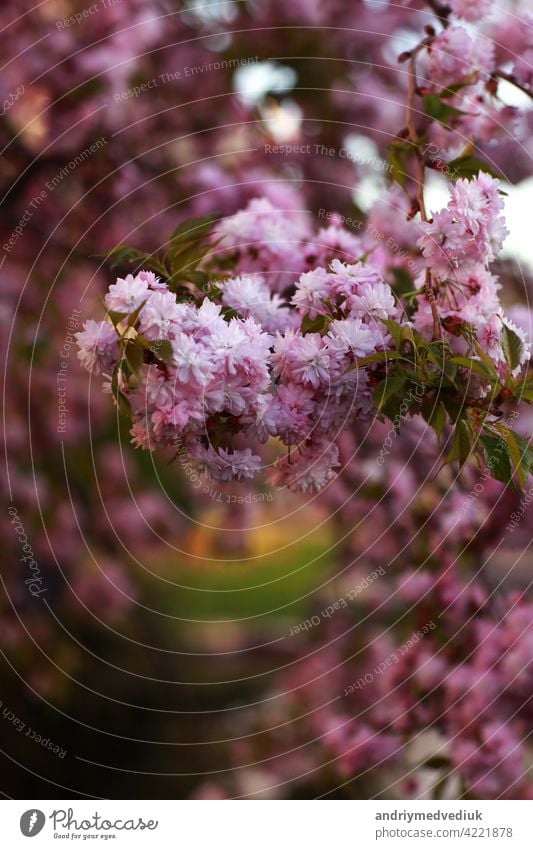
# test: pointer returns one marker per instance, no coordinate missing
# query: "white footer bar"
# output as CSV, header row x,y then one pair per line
x,y
267,824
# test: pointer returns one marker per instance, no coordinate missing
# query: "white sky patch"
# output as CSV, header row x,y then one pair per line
x,y
209,11
367,192
403,39
253,82
436,194
361,148
512,96
283,120
519,243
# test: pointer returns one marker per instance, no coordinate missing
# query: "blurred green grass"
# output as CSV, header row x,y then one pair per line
x,y
279,585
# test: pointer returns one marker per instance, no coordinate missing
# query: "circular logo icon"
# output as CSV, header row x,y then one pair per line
x,y
32,822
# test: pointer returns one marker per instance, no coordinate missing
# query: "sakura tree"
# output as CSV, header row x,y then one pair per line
x,y
300,307
270,327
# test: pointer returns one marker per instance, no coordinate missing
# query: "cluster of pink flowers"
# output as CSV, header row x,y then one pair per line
x,y
456,57
471,10
469,232
458,244
252,375
265,239
461,69
275,352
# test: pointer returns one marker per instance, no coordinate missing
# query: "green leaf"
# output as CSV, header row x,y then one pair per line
x,y
193,229
469,166
395,329
461,447
472,365
134,356
124,255
486,360
160,348
452,90
403,282
447,367
497,458
435,108
133,317
388,388
116,317
203,281
313,325
163,350
520,455
513,347
434,413
398,153
395,410
408,335
183,264
379,357
432,105
453,406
